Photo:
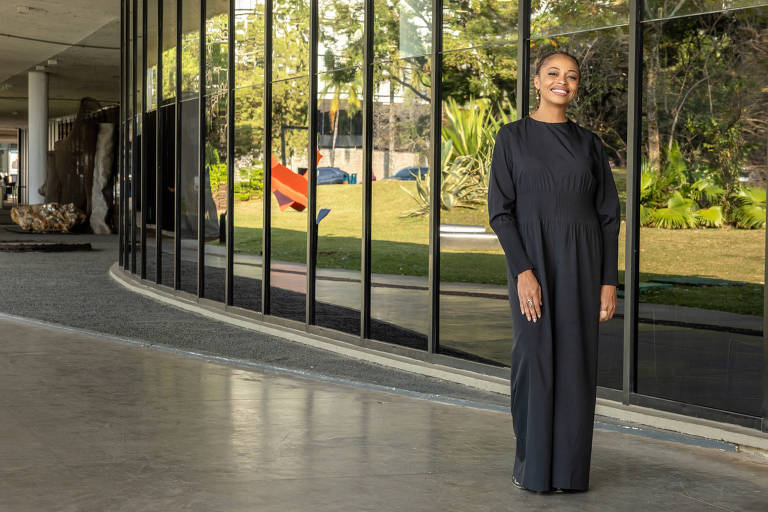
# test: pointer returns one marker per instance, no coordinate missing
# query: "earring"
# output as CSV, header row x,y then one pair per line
x,y
538,95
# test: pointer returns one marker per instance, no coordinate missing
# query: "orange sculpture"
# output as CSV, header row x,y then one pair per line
x,y
290,188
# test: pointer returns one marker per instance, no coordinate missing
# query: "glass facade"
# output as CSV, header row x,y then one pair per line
x,y
230,105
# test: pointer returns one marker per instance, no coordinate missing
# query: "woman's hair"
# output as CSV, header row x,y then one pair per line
x,y
545,56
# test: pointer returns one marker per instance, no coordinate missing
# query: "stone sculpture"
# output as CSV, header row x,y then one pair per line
x,y
102,169
48,217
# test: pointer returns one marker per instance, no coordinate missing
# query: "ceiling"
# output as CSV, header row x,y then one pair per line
x,y
82,36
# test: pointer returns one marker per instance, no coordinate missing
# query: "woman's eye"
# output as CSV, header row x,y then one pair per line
x,y
552,73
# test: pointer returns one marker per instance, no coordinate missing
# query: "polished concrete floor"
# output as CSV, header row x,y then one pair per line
x,y
92,424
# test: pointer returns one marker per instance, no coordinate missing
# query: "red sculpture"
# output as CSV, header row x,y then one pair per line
x,y
290,188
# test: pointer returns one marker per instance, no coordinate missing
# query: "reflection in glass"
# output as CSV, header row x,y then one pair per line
x,y
402,28
290,103
249,43
400,232
475,321
168,166
249,198
702,210
469,24
190,47
138,126
339,200
216,54
169,49
658,9
149,138
151,91
562,16
215,174
189,193
129,146
215,194
340,39
290,38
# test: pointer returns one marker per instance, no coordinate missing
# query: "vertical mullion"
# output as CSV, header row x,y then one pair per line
x,y
177,155
201,161
435,175
134,117
632,226
159,174
228,284
266,231
143,161
312,165
764,425
125,217
121,151
523,55
365,263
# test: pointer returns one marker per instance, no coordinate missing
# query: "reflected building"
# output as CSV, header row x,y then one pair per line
x,y
323,165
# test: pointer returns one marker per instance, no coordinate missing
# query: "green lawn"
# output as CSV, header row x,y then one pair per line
x,y
400,246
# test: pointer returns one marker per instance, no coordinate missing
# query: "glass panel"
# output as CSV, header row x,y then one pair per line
x,y
400,236
467,24
149,138
216,54
290,103
169,49
702,244
657,9
139,92
249,198
151,95
128,134
189,193
249,43
475,321
340,39
339,200
190,47
215,196
215,176
402,28
561,16
290,38
167,145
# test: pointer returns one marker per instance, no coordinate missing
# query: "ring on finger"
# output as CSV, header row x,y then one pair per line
x,y
530,302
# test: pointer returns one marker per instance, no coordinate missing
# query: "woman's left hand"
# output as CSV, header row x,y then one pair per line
x,y
607,302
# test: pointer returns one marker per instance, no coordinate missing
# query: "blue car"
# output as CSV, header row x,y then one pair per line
x,y
331,176
409,173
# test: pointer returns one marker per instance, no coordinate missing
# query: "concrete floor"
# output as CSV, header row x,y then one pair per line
x,y
88,423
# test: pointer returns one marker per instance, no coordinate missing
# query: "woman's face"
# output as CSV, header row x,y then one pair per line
x,y
558,80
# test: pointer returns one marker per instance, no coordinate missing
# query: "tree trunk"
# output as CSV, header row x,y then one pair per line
x,y
392,130
335,134
651,108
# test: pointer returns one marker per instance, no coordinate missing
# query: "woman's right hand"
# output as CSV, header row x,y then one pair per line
x,y
528,287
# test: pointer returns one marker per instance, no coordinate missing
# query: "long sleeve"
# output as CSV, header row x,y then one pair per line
x,y
501,207
609,214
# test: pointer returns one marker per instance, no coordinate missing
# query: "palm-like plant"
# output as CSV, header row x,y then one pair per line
x,y
467,147
750,207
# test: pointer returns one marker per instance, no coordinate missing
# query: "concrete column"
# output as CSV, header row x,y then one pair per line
x,y
38,134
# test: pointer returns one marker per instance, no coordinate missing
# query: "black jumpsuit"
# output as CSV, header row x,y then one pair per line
x,y
553,204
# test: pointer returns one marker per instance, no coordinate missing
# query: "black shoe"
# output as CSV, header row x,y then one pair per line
x,y
520,486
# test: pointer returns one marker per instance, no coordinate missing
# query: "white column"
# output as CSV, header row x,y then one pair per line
x,y
38,135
